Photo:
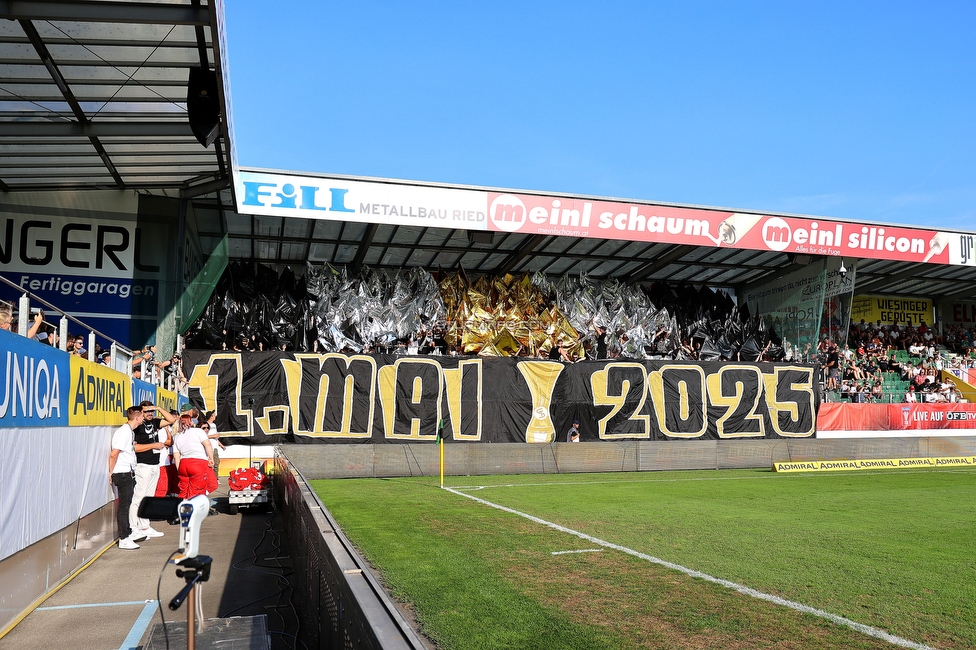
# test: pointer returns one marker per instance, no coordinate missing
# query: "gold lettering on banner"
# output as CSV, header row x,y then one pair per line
x,y
329,398
264,421
740,419
787,389
202,379
600,382
684,384
541,377
390,378
454,382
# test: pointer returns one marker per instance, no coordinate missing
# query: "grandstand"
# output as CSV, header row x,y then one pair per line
x,y
320,313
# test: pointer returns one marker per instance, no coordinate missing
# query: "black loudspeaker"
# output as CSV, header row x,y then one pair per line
x,y
203,105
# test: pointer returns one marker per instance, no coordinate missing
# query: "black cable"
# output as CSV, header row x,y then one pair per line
x,y
159,601
291,635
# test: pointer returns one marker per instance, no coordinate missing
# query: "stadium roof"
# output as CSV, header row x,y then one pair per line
x,y
277,239
93,96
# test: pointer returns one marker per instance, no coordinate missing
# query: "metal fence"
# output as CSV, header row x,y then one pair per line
x,y
340,604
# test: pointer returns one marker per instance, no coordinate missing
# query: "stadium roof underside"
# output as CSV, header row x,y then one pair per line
x,y
93,96
293,241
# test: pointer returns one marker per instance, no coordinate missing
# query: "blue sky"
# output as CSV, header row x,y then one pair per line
x,y
854,110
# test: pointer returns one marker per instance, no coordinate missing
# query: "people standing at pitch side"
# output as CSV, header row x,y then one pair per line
x,y
213,435
574,431
148,448
121,469
193,455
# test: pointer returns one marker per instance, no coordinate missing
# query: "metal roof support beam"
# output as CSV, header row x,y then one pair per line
x,y
357,262
69,96
675,254
520,254
874,285
743,288
966,293
85,11
96,129
194,191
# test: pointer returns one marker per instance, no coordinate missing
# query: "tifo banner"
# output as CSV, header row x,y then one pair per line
x,y
895,417
891,309
34,383
273,396
403,203
885,463
97,394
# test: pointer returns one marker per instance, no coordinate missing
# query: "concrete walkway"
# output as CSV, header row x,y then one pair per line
x,y
112,604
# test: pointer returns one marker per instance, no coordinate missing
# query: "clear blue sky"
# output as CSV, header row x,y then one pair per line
x,y
859,110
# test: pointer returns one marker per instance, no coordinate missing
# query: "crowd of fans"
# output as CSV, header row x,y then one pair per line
x,y
896,363
145,365
255,308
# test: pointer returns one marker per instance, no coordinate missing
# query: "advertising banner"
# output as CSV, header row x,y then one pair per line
x,y
277,396
90,254
167,399
403,203
881,463
891,309
34,383
896,417
97,394
959,312
367,202
142,391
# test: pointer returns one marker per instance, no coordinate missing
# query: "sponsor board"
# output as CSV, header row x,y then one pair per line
x,y
167,399
34,383
143,391
891,309
367,202
97,394
884,463
402,203
844,416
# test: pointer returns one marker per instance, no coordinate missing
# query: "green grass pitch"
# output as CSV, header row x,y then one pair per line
x,y
891,550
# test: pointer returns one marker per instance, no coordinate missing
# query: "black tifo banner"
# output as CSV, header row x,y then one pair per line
x,y
267,397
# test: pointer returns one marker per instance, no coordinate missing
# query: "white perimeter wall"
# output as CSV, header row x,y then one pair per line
x,y
50,478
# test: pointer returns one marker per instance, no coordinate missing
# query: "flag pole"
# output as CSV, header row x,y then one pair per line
x,y
440,442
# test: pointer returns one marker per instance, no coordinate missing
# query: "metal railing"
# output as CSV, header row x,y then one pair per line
x,y
120,356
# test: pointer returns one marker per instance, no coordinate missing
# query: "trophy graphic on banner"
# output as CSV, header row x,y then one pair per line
x,y
541,377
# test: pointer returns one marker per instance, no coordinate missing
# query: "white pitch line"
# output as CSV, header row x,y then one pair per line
x,y
770,476
582,550
742,589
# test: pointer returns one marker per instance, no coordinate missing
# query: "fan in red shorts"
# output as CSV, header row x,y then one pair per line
x,y
194,460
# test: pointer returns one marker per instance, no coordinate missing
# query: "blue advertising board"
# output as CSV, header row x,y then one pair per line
x,y
143,391
34,383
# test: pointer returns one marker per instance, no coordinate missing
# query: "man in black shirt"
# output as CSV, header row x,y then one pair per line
x,y
601,342
833,366
147,446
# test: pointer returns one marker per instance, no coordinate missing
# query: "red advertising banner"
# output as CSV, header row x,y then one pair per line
x,y
895,417
548,215
429,205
